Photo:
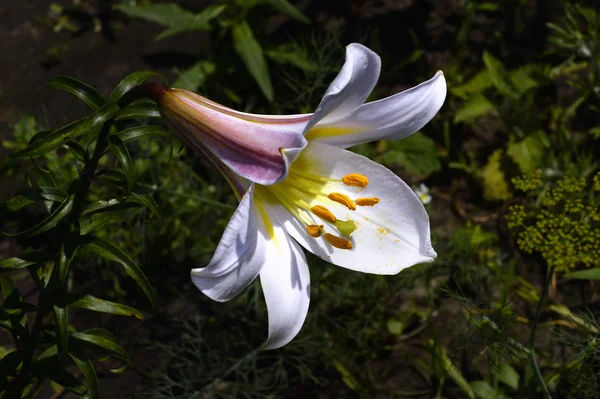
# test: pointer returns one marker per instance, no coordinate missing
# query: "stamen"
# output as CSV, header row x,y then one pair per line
x,y
315,231
355,180
367,201
323,213
342,199
346,227
338,242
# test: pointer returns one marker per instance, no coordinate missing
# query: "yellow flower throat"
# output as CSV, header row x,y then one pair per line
x,y
306,195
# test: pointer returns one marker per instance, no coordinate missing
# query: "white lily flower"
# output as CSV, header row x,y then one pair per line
x,y
423,193
340,206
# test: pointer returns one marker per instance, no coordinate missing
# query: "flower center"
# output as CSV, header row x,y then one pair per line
x,y
310,198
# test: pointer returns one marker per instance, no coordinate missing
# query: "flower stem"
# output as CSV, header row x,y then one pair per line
x,y
531,355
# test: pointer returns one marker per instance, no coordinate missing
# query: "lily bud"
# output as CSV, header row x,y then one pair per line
x,y
259,148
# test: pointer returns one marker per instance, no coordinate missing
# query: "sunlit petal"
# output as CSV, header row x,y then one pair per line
x,y
239,256
391,118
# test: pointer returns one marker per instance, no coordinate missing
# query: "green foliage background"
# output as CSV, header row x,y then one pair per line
x,y
510,161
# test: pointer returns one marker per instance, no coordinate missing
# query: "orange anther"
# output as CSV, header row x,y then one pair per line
x,y
338,242
367,201
355,180
323,213
314,230
342,199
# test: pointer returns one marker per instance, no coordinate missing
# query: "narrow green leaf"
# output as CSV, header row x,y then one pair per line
x,y
141,132
149,202
195,76
84,92
7,287
61,316
283,6
65,379
508,375
292,56
27,259
251,54
100,305
476,106
69,132
43,179
50,222
114,254
139,110
116,144
500,77
476,85
92,222
78,151
588,274
9,364
103,339
107,206
199,21
484,390
32,195
165,14
89,372
130,82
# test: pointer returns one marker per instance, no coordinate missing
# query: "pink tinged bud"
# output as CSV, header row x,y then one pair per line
x,y
259,148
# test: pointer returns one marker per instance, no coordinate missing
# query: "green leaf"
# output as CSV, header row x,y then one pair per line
x,y
476,106
141,132
89,372
69,132
500,77
200,22
7,287
149,202
417,154
116,144
9,364
50,222
283,6
139,110
100,305
78,151
84,92
484,390
114,254
293,56
195,76
251,54
103,339
61,316
64,379
589,274
107,206
495,186
32,195
174,17
92,222
131,82
27,259
508,375
44,179
527,153
476,85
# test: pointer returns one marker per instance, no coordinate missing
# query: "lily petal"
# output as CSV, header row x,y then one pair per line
x,y
391,118
351,87
285,281
239,257
390,236
251,145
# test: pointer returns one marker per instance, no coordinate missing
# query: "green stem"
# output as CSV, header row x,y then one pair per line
x,y
531,355
47,298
